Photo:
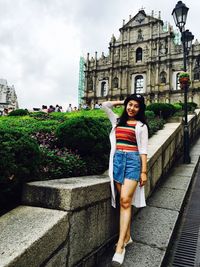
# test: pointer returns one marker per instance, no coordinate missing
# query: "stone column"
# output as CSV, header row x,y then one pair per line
x,y
149,78
157,77
110,89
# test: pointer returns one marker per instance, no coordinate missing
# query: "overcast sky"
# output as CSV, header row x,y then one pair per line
x,y
41,41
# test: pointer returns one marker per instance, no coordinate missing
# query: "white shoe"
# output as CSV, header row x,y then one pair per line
x,y
129,242
118,258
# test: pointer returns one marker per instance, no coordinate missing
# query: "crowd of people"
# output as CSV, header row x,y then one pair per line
x,y
56,108
70,108
6,111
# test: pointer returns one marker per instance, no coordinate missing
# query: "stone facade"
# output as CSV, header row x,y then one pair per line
x,y
146,59
8,97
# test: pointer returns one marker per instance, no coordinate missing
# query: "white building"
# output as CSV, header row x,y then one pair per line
x,y
8,97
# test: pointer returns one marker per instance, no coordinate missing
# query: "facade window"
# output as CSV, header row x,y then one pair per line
x,y
139,54
115,82
139,84
103,89
163,76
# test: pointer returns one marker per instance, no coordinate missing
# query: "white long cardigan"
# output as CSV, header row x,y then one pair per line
x,y
141,131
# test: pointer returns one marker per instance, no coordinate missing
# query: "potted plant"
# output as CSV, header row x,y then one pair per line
x,y
184,78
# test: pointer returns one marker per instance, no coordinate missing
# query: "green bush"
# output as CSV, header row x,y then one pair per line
x,y
40,115
149,115
19,163
19,112
87,136
177,106
61,163
162,110
191,106
155,125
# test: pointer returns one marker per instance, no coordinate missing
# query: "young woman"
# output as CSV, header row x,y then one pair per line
x,y
128,163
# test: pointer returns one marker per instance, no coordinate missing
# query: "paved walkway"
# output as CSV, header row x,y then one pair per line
x,y
153,226
185,250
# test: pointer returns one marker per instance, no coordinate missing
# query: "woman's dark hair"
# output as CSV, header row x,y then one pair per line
x,y
141,114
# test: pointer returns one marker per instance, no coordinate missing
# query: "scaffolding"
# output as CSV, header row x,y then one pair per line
x,y
81,80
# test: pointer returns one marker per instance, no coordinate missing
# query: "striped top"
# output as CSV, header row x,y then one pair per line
x,y
125,137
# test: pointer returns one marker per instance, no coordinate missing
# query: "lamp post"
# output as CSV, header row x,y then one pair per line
x,y
180,15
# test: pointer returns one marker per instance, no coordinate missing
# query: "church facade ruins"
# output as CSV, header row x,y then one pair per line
x,y
146,59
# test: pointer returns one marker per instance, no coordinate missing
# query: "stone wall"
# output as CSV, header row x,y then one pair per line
x,y
70,221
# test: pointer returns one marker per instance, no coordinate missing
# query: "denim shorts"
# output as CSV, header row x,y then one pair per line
x,y
126,165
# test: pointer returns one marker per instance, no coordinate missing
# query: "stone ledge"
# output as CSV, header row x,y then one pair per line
x,y
29,235
68,193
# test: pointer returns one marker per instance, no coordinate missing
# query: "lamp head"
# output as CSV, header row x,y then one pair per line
x,y
180,15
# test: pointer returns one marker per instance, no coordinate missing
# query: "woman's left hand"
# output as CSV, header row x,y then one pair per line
x,y
143,179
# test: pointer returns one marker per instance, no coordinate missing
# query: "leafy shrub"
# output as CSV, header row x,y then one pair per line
x,y
46,139
88,136
155,125
60,163
19,162
177,106
40,115
191,106
60,116
184,74
162,110
149,115
19,112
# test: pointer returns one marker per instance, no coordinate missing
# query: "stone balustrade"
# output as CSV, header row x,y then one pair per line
x,y
68,222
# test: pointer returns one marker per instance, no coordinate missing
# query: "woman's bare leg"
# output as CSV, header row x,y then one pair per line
x,y
126,194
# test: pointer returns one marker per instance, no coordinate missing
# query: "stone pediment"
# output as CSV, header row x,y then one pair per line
x,y
139,19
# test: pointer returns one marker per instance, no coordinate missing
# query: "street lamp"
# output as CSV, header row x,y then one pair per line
x,y
180,15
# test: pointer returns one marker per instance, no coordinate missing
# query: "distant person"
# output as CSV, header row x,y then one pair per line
x,y
128,163
96,106
61,109
10,110
85,106
44,108
57,109
69,109
51,109
5,112
79,107
75,109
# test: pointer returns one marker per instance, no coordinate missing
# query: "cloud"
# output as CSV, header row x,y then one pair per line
x,y
41,42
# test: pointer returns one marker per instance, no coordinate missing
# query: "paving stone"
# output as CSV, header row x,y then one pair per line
x,y
140,255
153,226
181,170
177,182
167,198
